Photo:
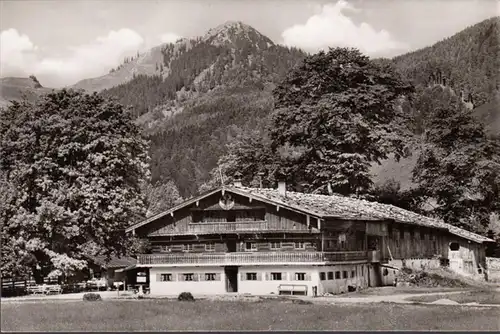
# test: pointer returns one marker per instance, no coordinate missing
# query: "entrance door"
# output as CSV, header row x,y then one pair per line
x,y
231,278
231,246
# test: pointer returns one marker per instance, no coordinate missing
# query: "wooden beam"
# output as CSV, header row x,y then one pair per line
x,y
308,220
133,232
319,224
223,192
250,199
197,203
277,208
172,214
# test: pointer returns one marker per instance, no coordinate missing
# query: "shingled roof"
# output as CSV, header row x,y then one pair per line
x,y
341,207
114,262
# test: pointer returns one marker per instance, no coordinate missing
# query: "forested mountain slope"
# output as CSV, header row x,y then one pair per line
x,y
469,61
205,91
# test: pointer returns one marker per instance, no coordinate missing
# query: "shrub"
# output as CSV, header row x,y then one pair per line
x,y
92,296
186,296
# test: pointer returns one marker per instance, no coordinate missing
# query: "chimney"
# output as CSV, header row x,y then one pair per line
x,y
282,188
237,180
261,176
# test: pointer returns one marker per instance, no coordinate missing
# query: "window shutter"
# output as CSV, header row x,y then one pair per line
x,y
267,276
158,277
196,277
202,276
284,276
217,276
308,276
181,277
242,276
291,275
174,277
259,276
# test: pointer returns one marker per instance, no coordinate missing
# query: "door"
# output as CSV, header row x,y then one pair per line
x,y
231,246
231,278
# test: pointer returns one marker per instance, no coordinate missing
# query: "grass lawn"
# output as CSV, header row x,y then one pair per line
x,y
161,315
389,290
480,297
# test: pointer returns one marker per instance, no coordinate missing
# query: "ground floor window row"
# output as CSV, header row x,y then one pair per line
x,y
244,276
188,277
339,274
275,276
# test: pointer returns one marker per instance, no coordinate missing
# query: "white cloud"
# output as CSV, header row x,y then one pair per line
x,y
19,57
332,27
16,52
169,37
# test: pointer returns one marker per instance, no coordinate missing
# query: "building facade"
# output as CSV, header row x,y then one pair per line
x,y
270,241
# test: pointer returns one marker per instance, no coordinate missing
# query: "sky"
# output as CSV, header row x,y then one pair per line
x,y
64,41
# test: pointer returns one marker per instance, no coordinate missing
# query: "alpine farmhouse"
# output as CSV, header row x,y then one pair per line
x,y
262,241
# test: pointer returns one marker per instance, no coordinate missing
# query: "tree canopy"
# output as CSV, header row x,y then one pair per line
x,y
335,115
74,163
459,166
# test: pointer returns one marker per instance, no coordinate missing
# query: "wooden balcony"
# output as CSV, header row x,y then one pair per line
x,y
229,227
257,258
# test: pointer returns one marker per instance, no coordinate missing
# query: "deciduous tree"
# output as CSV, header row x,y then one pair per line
x,y
75,163
459,166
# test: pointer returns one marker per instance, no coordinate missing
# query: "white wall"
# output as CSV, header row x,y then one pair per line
x,y
174,288
335,285
265,285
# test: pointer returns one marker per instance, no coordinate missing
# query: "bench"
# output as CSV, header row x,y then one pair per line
x,y
292,289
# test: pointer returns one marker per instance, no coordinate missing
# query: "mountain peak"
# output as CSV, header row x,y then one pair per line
x,y
233,32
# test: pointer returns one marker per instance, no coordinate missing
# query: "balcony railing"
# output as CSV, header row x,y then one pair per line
x,y
226,227
250,258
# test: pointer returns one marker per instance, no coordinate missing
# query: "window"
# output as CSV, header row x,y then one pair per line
x,y
385,272
250,246
337,275
330,275
422,235
275,276
401,233
353,273
189,277
454,246
300,245
300,276
251,276
165,277
344,274
187,247
210,277
274,245
210,247
322,276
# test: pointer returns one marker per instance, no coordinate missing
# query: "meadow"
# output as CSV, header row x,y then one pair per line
x,y
163,315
